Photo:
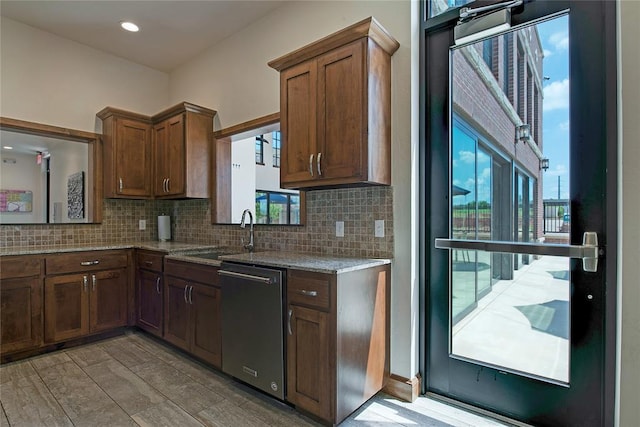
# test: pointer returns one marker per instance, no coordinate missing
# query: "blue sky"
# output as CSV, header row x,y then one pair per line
x,y
554,35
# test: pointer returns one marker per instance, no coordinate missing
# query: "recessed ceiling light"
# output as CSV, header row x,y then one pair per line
x,y
7,147
129,26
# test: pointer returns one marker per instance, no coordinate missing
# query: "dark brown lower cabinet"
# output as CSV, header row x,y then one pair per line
x,y
192,310
338,339
149,289
21,303
84,303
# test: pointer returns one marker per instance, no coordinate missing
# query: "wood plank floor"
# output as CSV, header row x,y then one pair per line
x,y
134,380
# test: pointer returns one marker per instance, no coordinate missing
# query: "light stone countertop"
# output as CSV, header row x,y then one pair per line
x,y
182,251
307,262
167,247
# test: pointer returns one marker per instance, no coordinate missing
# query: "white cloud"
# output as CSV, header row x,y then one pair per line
x,y
557,171
547,53
556,95
564,126
486,173
467,156
559,40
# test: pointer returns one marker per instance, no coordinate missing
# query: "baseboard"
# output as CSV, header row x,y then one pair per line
x,y
403,388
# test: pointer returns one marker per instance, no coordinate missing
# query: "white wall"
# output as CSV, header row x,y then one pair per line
x,y
629,280
25,174
233,78
243,178
55,81
67,159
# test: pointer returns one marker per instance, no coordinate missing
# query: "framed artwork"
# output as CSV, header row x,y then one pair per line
x,y
75,196
16,201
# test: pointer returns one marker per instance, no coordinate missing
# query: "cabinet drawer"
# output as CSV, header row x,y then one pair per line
x,y
85,261
149,260
309,289
192,272
20,266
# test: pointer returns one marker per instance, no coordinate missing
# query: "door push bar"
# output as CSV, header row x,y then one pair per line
x,y
588,251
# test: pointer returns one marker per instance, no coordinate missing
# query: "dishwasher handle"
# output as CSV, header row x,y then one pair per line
x,y
251,277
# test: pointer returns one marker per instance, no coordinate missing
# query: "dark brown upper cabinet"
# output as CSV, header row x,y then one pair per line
x,y
163,156
335,109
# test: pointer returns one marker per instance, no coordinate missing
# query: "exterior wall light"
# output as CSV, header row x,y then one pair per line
x,y
544,164
523,132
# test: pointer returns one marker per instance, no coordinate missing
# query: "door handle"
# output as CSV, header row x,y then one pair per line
x,y
319,167
94,280
588,251
289,321
311,164
158,285
84,282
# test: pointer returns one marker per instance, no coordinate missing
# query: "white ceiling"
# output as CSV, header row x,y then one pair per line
x,y
171,32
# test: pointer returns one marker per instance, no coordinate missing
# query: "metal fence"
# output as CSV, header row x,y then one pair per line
x,y
557,216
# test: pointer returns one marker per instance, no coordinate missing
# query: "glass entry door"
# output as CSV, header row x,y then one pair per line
x,y
517,312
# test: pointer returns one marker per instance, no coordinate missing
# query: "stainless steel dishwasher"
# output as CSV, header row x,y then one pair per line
x,y
252,326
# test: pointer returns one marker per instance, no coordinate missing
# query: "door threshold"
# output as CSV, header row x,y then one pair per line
x,y
475,410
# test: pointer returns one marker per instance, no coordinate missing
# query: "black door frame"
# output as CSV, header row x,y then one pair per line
x,y
436,35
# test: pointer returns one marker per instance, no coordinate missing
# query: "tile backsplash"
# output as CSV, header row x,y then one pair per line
x,y
191,222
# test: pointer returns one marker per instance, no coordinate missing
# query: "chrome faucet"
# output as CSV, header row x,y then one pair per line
x,y
248,246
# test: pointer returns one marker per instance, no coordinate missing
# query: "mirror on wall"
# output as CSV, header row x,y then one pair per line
x,y
47,174
247,162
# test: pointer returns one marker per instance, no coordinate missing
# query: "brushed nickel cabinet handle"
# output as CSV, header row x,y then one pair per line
x,y
308,293
84,282
86,263
120,185
158,285
191,295
168,185
311,164
289,321
185,294
94,280
148,263
319,167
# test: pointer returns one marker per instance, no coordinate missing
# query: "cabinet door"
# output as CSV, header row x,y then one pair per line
x,y
205,320
149,288
341,112
170,157
20,314
176,312
309,383
66,307
298,123
108,302
133,158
